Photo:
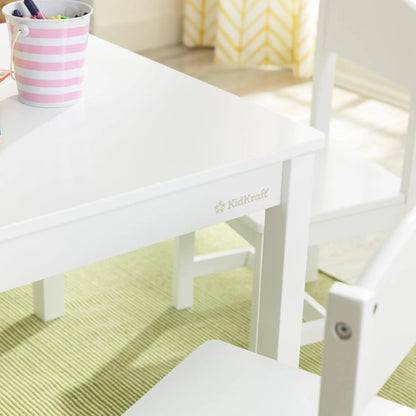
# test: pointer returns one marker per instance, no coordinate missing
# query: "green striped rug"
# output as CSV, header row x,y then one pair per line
x,y
120,334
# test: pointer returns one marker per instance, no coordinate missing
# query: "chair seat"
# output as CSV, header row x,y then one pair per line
x,y
352,184
224,380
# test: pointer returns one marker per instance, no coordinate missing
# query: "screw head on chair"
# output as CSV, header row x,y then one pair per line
x,y
343,330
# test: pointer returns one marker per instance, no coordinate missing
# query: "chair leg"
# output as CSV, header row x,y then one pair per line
x,y
48,298
312,264
258,250
183,275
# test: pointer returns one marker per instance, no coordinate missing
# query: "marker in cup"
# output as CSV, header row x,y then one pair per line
x,y
33,9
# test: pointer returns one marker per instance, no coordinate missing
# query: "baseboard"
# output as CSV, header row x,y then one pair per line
x,y
355,78
138,35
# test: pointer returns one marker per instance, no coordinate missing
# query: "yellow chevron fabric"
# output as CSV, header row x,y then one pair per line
x,y
255,32
200,24
305,25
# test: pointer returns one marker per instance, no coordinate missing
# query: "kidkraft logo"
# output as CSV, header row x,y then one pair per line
x,y
242,200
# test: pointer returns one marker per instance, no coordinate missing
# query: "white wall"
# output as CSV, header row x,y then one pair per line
x,y
139,24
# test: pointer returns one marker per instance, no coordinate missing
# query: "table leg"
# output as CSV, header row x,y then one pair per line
x,y
183,275
258,250
312,266
48,298
284,265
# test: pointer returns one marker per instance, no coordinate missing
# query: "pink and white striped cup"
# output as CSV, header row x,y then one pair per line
x,y
49,55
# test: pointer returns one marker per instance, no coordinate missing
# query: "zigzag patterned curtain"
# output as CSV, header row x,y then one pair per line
x,y
255,32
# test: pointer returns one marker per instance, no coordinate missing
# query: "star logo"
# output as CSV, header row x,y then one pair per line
x,y
219,208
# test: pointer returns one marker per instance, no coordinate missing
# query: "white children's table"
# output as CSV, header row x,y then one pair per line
x,y
149,154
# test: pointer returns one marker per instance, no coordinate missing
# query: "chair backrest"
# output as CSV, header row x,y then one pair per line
x,y
378,35
370,326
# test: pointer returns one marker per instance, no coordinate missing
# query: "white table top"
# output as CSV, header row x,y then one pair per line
x,y
141,130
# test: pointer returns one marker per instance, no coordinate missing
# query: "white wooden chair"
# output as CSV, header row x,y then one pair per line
x,y
352,196
367,335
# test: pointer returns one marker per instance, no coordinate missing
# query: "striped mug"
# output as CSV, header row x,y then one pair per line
x,y
48,55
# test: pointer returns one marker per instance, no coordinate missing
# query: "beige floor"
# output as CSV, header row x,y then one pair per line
x,y
375,129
